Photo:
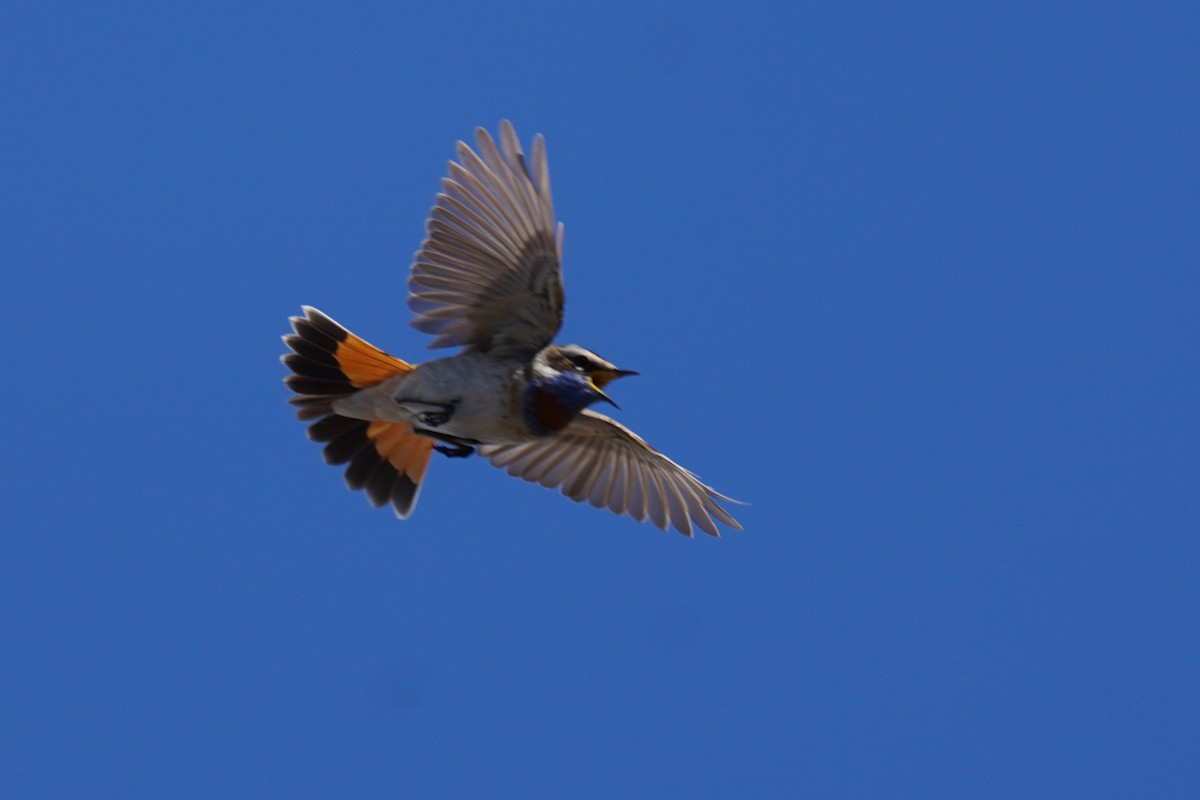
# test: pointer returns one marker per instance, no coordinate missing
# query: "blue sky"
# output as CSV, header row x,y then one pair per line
x,y
917,281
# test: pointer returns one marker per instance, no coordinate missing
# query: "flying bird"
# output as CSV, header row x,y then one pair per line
x,y
487,279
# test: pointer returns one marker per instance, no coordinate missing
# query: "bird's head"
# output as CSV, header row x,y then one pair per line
x,y
587,369
565,381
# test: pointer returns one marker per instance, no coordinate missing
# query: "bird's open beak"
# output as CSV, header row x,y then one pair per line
x,y
600,379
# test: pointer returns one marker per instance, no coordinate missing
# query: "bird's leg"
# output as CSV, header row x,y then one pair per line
x,y
434,415
454,451
454,447
430,415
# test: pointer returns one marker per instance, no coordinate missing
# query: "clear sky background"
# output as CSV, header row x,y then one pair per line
x,y
919,281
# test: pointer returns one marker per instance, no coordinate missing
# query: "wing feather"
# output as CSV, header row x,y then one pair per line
x,y
599,461
488,276
602,489
637,491
471,192
549,471
477,223
679,515
507,173
655,499
582,465
489,184
618,498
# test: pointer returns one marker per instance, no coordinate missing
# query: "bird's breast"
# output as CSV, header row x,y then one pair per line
x,y
545,411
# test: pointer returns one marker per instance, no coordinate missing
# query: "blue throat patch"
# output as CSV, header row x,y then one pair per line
x,y
550,406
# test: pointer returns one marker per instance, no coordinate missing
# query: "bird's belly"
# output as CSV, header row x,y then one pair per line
x,y
477,393
481,416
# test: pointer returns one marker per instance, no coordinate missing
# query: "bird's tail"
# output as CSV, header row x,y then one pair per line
x,y
386,459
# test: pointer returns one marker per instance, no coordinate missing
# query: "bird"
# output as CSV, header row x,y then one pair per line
x,y
487,279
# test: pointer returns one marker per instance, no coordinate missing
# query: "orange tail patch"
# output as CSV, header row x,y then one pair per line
x,y
331,361
386,459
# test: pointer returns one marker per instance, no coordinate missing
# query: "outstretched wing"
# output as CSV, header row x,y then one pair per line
x,y
600,461
487,276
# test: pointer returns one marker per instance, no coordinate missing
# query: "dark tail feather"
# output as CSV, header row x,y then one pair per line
x,y
386,459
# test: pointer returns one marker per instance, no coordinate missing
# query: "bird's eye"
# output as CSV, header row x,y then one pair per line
x,y
581,362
